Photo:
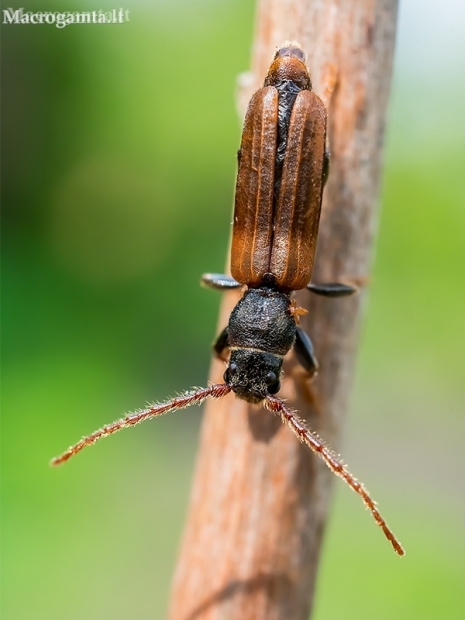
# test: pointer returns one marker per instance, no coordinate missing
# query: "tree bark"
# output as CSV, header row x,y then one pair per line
x,y
260,499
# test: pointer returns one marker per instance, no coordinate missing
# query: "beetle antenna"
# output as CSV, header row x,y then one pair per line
x,y
193,397
315,443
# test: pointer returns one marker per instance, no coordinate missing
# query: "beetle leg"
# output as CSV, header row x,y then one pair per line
x,y
333,289
326,164
303,348
221,344
219,281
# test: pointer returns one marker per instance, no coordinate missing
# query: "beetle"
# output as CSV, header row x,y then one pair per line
x,y
282,168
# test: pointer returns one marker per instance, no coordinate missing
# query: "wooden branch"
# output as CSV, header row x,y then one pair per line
x,y
260,499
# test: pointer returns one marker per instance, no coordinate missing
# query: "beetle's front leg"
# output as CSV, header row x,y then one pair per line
x,y
221,344
303,348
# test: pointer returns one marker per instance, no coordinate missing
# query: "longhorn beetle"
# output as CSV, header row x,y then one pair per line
x,y
283,165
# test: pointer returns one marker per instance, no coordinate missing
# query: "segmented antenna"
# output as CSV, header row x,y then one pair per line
x,y
194,397
315,443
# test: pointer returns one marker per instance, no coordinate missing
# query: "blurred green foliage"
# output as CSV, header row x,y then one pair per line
x,y
119,161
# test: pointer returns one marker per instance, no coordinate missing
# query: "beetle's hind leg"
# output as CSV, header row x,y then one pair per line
x,y
326,165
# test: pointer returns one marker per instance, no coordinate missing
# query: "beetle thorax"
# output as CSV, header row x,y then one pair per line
x,y
261,331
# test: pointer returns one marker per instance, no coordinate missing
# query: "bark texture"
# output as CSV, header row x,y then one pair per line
x,y
260,499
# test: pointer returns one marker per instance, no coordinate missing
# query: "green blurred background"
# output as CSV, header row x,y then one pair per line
x,y
119,160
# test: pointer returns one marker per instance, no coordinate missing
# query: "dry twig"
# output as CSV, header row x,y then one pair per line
x,y
260,499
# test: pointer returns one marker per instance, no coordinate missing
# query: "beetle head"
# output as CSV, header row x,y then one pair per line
x,y
253,375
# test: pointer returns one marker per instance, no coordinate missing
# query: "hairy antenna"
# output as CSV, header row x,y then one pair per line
x,y
194,397
311,439
273,404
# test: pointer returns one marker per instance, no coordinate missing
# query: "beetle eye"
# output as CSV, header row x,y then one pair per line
x,y
271,378
274,388
230,371
272,382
